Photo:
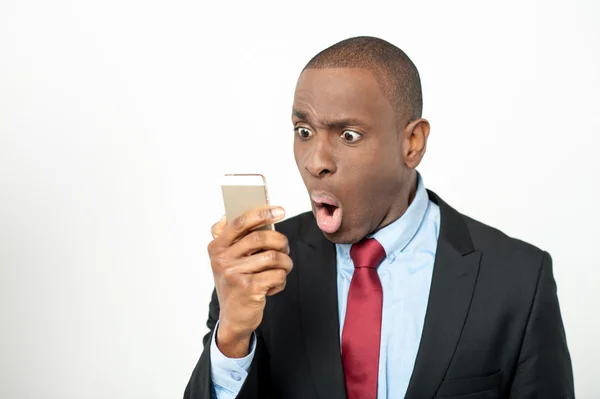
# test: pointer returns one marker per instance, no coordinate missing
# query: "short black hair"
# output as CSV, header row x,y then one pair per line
x,y
396,74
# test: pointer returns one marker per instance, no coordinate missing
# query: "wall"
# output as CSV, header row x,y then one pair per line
x,y
118,118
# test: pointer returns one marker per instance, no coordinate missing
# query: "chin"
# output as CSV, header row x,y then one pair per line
x,y
344,236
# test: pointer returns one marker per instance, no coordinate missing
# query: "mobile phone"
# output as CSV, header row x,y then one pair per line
x,y
242,193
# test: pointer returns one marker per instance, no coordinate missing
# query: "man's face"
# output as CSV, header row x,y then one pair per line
x,y
348,150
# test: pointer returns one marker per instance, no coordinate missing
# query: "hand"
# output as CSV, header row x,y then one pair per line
x,y
247,267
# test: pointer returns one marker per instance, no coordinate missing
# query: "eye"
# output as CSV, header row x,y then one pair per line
x,y
303,132
350,136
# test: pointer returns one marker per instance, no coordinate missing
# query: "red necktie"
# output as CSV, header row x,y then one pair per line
x,y
362,326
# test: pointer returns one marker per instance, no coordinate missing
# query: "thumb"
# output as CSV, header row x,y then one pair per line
x,y
218,227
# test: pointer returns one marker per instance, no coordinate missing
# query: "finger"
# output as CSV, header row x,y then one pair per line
x,y
260,240
218,227
276,290
271,282
260,262
243,224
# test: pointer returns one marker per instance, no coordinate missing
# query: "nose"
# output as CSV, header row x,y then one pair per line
x,y
320,161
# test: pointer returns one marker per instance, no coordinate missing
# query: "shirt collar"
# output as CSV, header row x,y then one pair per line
x,y
397,235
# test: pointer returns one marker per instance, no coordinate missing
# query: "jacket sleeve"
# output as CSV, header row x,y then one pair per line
x,y
544,367
200,385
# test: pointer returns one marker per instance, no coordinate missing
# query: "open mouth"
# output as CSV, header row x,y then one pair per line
x,y
328,213
329,208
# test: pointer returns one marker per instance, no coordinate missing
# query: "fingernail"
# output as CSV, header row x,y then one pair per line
x,y
277,212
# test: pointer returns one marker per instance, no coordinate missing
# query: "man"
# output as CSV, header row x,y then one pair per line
x,y
392,292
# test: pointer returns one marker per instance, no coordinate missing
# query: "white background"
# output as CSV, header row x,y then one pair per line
x,y
118,118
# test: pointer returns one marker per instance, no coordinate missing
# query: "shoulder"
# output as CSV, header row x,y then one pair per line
x,y
493,241
510,272
509,267
506,258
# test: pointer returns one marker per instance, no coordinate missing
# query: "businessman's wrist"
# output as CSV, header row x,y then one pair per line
x,y
233,344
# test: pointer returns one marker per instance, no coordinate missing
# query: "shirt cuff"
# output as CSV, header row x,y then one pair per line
x,y
227,374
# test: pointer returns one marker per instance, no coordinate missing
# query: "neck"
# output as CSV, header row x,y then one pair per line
x,y
403,200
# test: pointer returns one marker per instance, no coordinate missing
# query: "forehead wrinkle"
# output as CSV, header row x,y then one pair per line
x,y
337,121
324,94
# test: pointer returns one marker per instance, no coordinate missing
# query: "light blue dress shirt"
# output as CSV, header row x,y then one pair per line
x,y
410,245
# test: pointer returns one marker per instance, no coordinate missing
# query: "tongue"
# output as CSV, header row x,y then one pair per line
x,y
329,222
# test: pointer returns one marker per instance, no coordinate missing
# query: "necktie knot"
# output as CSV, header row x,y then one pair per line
x,y
367,253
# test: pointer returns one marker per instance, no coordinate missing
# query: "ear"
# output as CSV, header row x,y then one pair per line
x,y
415,136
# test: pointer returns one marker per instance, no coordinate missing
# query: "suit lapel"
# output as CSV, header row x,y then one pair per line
x,y
454,275
319,312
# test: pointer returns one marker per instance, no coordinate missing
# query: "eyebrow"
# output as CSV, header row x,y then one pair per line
x,y
300,114
337,123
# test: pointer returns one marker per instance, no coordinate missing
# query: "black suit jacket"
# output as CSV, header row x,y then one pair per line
x,y
493,327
